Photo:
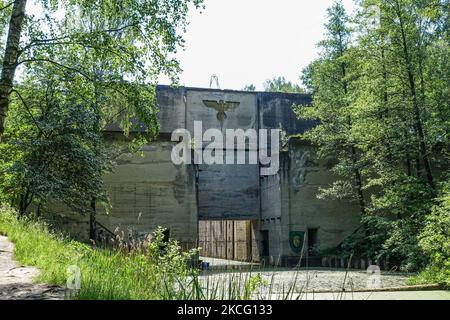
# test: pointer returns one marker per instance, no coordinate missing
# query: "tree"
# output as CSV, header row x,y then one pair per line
x,y
249,87
280,84
332,87
11,55
400,118
53,152
116,47
382,99
435,239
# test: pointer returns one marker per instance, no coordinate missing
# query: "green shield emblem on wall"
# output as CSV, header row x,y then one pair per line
x,y
296,240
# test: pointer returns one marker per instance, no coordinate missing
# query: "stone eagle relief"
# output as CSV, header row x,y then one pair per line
x,y
221,106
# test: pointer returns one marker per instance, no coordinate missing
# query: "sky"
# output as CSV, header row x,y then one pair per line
x,y
249,41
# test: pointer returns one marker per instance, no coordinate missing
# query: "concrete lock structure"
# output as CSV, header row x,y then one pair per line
x,y
228,210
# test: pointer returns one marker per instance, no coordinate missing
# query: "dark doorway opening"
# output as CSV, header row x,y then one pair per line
x,y
312,241
264,243
166,235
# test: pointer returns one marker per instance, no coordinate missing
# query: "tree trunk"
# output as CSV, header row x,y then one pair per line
x,y
358,183
25,199
385,108
354,156
10,58
413,95
92,223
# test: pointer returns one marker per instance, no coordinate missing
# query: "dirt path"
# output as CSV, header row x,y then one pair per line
x,y
16,282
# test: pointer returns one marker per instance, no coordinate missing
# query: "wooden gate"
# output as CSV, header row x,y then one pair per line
x,y
226,239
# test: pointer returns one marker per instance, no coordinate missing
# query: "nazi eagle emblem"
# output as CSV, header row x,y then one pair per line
x,y
221,106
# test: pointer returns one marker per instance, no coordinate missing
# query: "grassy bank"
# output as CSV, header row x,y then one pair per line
x,y
149,273
434,275
146,272
104,274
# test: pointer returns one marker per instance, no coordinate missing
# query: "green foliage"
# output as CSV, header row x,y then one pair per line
x,y
368,242
53,149
37,246
382,99
280,84
254,283
249,87
153,269
434,240
115,51
5,13
149,274
403,245
92,67
340,189
332,88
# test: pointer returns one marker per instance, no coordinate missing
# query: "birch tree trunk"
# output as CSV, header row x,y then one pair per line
x,y
9,64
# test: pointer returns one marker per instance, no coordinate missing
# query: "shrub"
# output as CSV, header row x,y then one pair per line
x,y
435,242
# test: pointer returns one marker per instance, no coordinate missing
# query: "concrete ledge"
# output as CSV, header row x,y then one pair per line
x,y
426,287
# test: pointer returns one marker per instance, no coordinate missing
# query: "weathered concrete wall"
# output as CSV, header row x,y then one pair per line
x,y
172,111
225,191
288,200
228,192
271,206
301,176
72,223
270,197
147,190
275,109
239,110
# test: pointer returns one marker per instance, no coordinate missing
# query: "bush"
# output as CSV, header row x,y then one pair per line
x,y
435,243
367,242
403,245
52,150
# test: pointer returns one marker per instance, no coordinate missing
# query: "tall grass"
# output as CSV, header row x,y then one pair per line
x,y
36,246
433,275
153,269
